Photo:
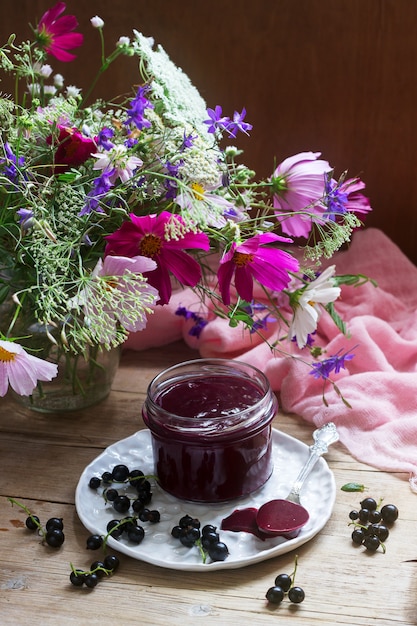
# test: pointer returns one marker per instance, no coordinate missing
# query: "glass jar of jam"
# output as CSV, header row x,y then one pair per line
x,y
210,421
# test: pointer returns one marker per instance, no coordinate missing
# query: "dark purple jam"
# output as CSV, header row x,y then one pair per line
x,y
211,436
211,396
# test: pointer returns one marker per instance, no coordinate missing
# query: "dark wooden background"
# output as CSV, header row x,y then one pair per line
x,y
336,76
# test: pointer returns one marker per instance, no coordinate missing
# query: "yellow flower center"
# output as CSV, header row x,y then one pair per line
x,y
241,259
198,191
150,246
6,356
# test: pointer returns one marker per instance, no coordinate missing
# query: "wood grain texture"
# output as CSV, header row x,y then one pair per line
x,y
337,76
41,459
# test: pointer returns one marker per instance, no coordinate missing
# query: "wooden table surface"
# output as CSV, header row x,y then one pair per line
x,y
41,459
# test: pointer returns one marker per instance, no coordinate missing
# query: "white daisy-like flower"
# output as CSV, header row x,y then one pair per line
x,y
308,305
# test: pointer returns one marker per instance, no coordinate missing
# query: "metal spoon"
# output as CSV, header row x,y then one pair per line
x,y
323,438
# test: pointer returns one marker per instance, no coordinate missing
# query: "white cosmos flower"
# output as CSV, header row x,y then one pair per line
x,y
308,307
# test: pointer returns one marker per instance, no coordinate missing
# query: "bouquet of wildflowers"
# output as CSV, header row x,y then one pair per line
x,y
103,207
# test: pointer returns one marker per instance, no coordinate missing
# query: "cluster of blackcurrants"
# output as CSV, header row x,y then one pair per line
x,y
52,534
284,584
372,524
189,532
98,569
121,502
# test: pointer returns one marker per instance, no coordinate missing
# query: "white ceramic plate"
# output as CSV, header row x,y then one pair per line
x,y
159,548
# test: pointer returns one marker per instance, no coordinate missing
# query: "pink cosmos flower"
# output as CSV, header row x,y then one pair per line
x,y
54,33
357,202
299,182
73,148
22,370
147,236
249,260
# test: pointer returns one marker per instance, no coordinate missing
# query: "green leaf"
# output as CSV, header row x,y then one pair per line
x,y
336,317
354,280
353,487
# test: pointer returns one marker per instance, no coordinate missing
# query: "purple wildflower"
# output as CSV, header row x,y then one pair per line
x,y
11,164
336,199
25,218
138,106
238,124
103,139
101,185
170,183
216,120
199,322
323,369
188,141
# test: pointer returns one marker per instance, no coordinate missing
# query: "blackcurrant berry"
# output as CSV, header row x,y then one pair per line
x,y
371,543
97,567
189,536
176,532
275,595
375,516
296,595
382,532
32,522
389,513
208,529
95,482
107,477
135,476
353,515
136,534
111,562
210,537
154,516
369,503
284,581
144,515
111,494
91,580
114,529
363,516
185,521
55,538
121,504
137,506
358,535
54,522
94,542
77,578
144,496
120,473
218,551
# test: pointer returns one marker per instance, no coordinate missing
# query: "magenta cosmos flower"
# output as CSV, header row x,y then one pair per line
x,y
249,260
22,370
55,34
299,182
147,236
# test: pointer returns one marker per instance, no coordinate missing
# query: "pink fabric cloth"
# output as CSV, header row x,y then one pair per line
x,y
380,382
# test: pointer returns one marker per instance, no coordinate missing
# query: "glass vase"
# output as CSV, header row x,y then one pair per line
x,y
83,379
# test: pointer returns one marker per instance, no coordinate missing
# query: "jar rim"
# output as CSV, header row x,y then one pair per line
x,y
267,402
